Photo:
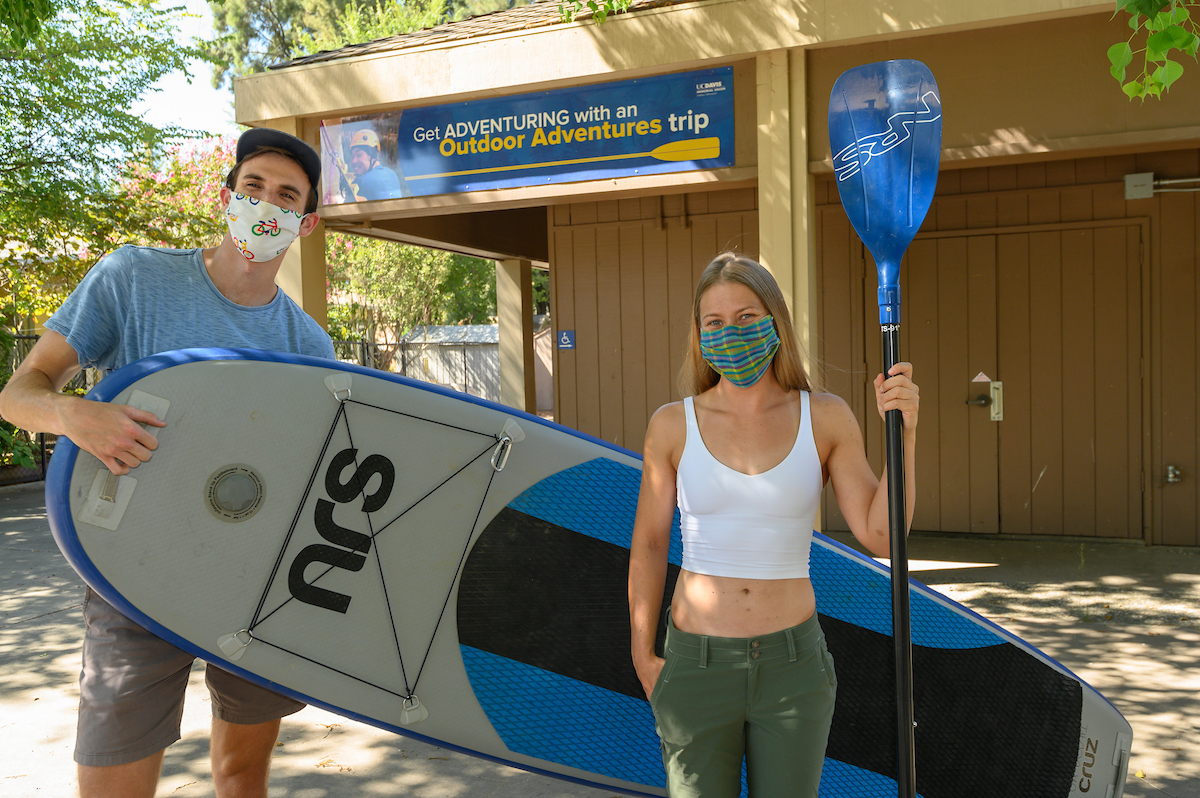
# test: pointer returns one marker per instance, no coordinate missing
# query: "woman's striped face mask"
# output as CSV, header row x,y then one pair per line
x,y
741,354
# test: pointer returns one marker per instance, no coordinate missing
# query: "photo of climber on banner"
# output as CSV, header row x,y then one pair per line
x,y
358,160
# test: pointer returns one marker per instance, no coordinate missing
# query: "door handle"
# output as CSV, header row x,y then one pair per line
x,y
994,399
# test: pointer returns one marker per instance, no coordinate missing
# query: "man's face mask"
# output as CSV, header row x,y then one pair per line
x,y
261,231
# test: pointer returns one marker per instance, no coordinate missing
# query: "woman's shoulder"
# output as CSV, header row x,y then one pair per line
x,y
668,416
667,430
829,411
827,401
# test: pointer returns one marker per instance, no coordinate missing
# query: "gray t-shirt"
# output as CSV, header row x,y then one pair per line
x,y
139,301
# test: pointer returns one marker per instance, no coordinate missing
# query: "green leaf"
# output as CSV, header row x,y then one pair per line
x,y
1158,45
1167,17
1192,46
1167,74
1180,37
1134,88
1120,55
1150,8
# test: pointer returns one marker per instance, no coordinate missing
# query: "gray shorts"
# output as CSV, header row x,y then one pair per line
x,y
132,686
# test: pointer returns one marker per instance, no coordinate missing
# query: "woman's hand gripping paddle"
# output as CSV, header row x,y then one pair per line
x,y
885,131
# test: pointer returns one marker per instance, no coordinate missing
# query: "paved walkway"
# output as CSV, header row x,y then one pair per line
x,y
1125,618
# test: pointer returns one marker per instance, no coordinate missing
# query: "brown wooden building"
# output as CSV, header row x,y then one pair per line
x,y
1032,270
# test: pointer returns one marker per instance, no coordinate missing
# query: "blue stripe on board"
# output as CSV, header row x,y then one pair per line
x,y
554,717
558,719
852,592
599,498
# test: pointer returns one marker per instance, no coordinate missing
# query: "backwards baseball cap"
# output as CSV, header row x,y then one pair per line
x,y
256,138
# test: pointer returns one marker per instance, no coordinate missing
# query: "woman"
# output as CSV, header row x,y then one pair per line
x,y
745,457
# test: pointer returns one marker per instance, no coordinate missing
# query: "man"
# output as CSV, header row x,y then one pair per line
x,y
374,180
136,302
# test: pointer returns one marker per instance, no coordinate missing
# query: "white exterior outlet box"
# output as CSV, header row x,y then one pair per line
x,y
1139,186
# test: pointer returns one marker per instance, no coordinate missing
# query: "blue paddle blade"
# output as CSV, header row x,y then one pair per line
x,y
885,130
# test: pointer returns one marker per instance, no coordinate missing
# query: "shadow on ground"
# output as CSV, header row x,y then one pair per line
x,y
1124,618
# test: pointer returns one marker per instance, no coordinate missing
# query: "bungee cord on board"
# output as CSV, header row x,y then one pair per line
x,y
497,445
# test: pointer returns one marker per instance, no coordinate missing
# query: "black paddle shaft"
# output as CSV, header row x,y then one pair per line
x,y
901,627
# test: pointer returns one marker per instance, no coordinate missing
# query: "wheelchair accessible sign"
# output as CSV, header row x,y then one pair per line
x,y
566,339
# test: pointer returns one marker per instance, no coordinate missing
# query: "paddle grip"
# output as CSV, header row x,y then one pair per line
x,y
901,621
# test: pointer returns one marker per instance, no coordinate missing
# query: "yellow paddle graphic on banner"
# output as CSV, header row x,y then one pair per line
x,y
686,150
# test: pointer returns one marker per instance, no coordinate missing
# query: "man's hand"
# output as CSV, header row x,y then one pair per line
x,y
113,433
32,400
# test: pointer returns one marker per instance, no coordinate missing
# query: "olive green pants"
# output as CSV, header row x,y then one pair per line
x,y
768,699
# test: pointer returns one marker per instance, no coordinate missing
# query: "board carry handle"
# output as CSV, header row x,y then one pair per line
x,y
339,385
109,496
232,646
414,711
512,433
1121,760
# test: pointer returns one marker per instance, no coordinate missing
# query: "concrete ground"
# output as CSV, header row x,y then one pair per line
x,y
1125,618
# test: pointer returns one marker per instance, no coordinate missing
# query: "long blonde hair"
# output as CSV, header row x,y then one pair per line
x,y
697,376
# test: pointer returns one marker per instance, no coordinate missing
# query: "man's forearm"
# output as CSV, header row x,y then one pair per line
x,y
32,402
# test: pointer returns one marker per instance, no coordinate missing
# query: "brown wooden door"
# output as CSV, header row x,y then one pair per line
x,y
1054,313
622,276
949,333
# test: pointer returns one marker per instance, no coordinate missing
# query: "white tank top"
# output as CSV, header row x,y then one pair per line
x,y
748,527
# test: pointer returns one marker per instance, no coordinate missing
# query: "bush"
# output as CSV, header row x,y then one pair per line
x,y
15,446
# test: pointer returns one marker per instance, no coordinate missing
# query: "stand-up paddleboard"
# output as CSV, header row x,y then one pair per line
x,y
455,571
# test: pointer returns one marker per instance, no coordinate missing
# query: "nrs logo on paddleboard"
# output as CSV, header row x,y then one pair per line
x,y
346,542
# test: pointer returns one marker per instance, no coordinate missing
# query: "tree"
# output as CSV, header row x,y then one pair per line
x,y
168,201
66,134
21,20
15,447
1167,28
468,291
174,201
254,34
601,9
66,129
380,290
365,23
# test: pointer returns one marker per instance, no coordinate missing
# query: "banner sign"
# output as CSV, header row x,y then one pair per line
x,y
666,123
